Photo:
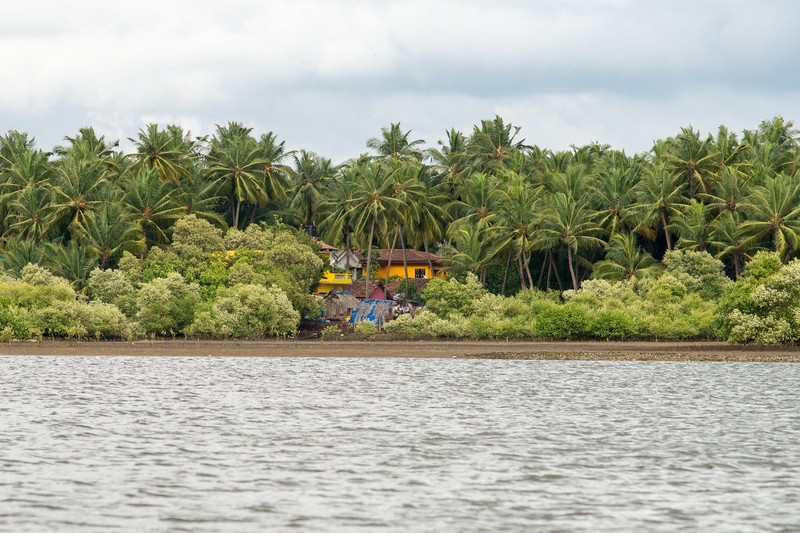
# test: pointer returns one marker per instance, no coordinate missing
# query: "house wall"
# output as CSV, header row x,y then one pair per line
x,y
397,270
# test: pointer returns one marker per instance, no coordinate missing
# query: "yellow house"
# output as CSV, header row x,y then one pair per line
x,y
330,280
419,267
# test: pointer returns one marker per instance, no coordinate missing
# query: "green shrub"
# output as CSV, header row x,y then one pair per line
x,y
166,305
613,324
449,296
703,273
16,322
367,328
109,286
331,332
568,321
247,311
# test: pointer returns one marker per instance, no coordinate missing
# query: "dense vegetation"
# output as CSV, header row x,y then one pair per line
x,y
146,237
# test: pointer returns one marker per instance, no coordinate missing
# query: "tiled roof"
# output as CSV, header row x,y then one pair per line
x,y
413,257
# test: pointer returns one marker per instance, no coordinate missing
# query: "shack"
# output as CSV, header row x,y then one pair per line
x,y
339,306
378,311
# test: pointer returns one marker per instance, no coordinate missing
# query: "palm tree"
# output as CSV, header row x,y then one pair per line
x,y
492,144
152,204
394,144
109,232
471,249
312,174
276,174
372,205
518,215
169,152
18,252
773,212
236,166
77,190
31,213
450,160
572,225
693,227
727,239
660,196
626,260
73,262
691,158
613,194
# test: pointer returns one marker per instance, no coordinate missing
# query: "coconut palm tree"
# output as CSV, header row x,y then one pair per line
x,y
492,144
394,144
109,232
626,260
311,173
372,205
773,215
31,213
235,164
691,158
152,204
660,197
169,152
728,241
572,225
693,226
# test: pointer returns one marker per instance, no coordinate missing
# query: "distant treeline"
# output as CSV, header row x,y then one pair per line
x,y
516,215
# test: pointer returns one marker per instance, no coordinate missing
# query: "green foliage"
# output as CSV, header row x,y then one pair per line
x,y
160,263
764,305
331,332
247,311
367,328
166,305
450,296
704,274
568,321
613,324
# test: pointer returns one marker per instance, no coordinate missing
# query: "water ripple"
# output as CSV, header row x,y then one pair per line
x,y
213,444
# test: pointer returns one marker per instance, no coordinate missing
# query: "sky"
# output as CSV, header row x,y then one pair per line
x,y
326,75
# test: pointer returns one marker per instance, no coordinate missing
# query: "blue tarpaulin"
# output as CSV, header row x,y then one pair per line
x,y
374,310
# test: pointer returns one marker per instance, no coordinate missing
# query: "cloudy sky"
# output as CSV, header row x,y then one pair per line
x,y
326,75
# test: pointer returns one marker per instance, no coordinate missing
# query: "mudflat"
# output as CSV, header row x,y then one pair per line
x,y
391,348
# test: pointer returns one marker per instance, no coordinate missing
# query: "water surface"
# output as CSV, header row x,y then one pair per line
x,y
215,444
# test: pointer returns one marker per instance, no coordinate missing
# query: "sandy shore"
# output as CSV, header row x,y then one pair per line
x,y
611,351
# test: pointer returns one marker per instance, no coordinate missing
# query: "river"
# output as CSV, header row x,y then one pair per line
x,y
251,444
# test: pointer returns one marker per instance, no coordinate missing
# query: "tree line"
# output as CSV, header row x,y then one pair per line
x,y
517,215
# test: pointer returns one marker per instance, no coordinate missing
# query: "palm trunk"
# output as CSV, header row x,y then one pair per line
x,y
527,259
541,273
427,253
572,268
555,271
505,274
405,265
666,230
522,283
736,266
391,253
549,268
369,258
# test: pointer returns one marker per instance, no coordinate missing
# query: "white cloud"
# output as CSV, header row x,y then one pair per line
x,y
326,75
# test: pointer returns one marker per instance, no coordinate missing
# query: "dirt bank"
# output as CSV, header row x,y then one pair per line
x,y
633,351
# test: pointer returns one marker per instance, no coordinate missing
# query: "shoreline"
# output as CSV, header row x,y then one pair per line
x,y
423,349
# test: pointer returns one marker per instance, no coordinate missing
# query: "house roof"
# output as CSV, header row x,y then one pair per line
x,y
413,257
324,247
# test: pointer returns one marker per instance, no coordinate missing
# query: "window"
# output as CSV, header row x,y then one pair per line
x,y
419,273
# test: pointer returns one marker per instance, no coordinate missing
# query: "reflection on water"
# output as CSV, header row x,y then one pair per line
x,y
210,444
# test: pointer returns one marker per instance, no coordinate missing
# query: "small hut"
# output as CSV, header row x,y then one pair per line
x,y
339,306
